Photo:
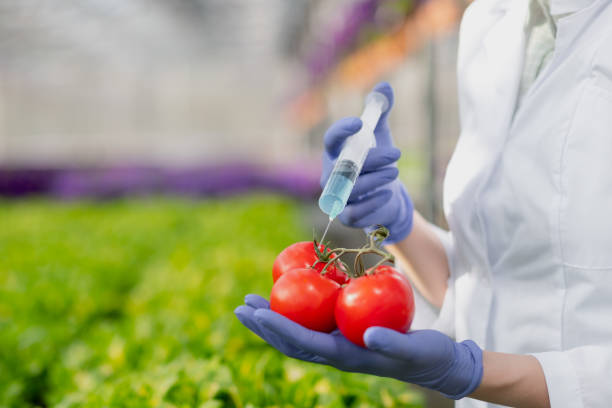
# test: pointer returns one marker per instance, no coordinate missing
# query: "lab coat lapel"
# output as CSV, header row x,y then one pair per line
x,y
495,72
500,66
504,48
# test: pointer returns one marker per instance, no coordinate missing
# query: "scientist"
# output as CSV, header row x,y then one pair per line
x,y
523,280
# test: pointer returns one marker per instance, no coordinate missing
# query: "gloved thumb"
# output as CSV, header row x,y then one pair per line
x,y
418,346
415,347
385,89
387,341
338,132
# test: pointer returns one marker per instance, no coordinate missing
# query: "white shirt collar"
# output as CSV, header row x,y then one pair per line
x,y
568,6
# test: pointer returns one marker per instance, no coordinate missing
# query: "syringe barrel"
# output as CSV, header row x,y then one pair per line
x,y
357,146
350,161
376,104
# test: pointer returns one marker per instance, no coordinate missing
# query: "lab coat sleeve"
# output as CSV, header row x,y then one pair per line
x,y
429,317
578,377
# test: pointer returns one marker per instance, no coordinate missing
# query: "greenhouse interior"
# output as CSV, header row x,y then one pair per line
x,y
155,158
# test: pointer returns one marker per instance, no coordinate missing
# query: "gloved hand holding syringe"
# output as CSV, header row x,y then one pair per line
x,y
350,161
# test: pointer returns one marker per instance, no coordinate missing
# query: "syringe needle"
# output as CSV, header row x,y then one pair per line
x,y
325,233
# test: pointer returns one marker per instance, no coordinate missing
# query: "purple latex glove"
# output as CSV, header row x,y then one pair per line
x,y
378,196
424,357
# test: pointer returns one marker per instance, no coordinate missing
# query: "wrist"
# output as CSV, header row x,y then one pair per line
x,y
466,373
402,226
512,379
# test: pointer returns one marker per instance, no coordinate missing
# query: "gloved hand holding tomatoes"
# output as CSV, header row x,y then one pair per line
x,y
424,357
373,310
378,197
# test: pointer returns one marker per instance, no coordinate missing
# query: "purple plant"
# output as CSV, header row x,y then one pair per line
x,y
202,181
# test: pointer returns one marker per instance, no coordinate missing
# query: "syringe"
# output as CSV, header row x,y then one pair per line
x,y
348,165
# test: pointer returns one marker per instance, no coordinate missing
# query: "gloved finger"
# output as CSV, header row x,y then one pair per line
x,y
365,204
317,343
245,315
332,349
386,214
368,183
415,346
338,132
256,301
380,157
374,208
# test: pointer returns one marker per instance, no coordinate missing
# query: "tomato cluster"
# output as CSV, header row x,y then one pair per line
x,y
313,288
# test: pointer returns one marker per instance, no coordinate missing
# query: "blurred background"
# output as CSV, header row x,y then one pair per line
x,y
153,150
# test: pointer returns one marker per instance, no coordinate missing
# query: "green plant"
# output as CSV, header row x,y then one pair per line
x,y
129,303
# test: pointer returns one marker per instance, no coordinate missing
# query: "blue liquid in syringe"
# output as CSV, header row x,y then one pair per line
x,y
338,188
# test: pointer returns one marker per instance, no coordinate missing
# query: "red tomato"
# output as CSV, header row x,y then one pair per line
x,y
307,298
383,298
303,255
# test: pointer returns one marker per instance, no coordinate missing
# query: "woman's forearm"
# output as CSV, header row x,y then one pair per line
x,y
513,380
425,260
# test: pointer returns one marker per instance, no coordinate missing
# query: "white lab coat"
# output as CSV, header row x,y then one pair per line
x,y
528,198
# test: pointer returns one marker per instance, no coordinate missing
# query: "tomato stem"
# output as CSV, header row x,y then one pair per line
x,y
382,261
376,238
